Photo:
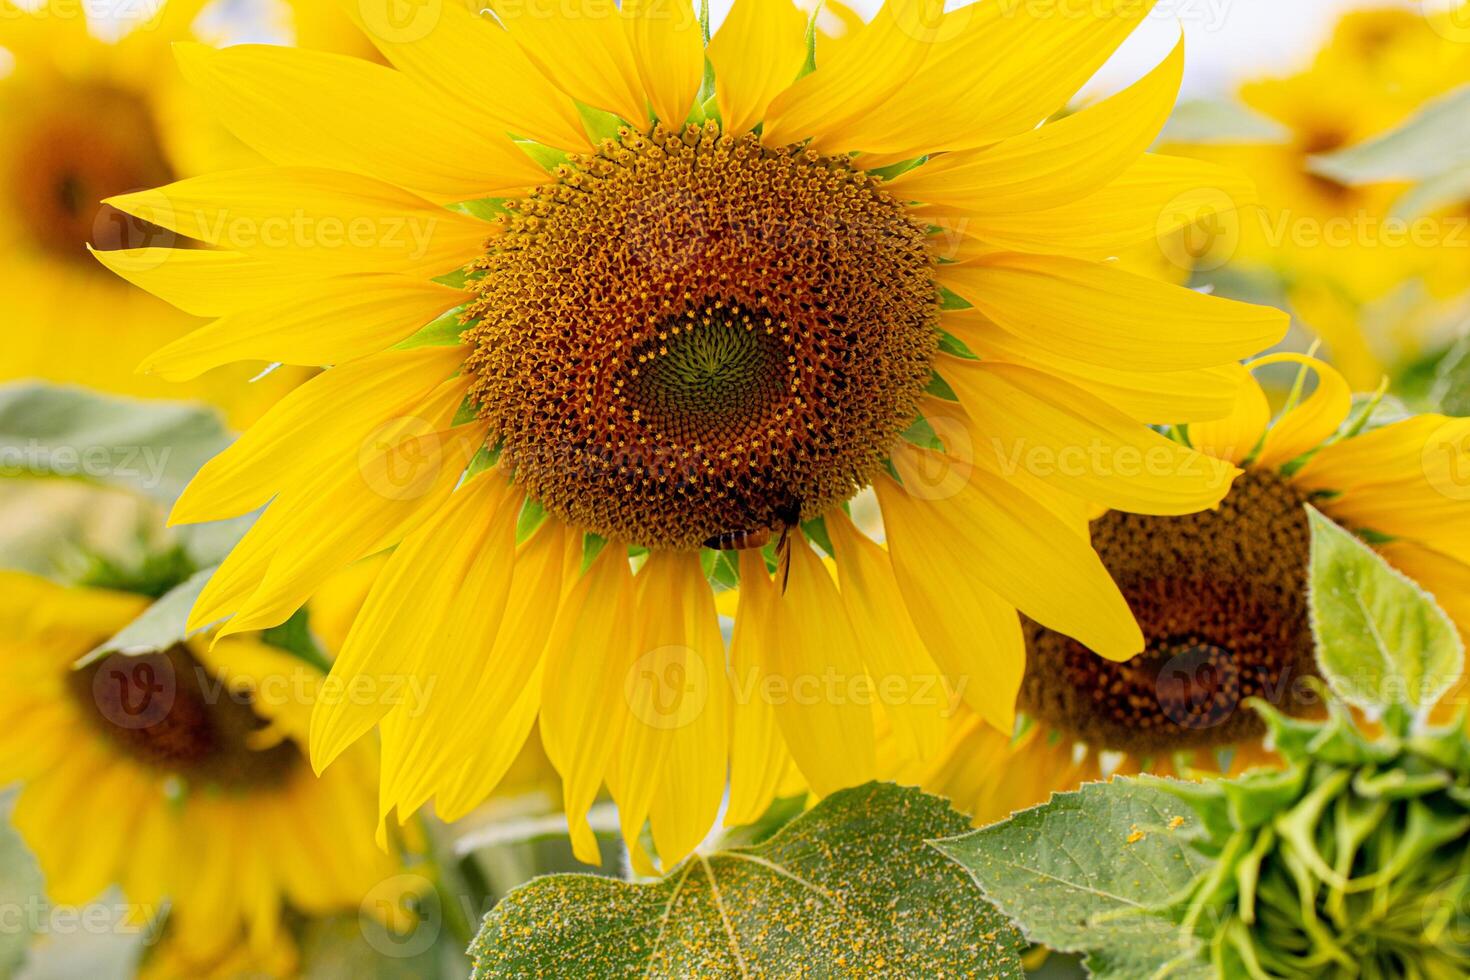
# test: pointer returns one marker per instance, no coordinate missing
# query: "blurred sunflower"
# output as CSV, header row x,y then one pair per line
x,y
1331,244
179,776
82,119
1222,599
684,299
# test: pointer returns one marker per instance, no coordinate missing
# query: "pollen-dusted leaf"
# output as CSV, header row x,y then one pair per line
x,y
1085,872
1382,640
148,447
850,888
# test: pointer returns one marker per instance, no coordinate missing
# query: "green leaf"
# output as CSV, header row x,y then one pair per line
x,y
159,626
1429,144
847,889
1382,641
1452,381
148,447
1436,194
1209,121
1086,872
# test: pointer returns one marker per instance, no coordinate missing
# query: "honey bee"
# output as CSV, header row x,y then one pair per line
x,y
788,516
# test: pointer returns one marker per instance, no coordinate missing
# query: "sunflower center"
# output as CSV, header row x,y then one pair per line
x,y
168,712
71,153
1222,600
688,334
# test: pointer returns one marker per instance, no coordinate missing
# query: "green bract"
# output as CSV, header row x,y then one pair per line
x,y
1354,861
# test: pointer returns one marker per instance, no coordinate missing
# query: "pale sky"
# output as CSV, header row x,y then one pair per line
x,y
1226,41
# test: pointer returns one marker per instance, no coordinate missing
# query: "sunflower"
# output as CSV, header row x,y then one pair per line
x,y
84,118
1222,598
631,318
179,776
1339,250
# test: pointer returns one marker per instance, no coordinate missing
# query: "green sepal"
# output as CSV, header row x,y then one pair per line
x,y
485,208
547,157
444,331
599,124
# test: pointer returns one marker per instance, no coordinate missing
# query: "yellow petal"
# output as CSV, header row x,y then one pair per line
x,y
1025,553
349,512
418,612
1410,479
909,684
1332,316
993,70
1028,422
446,47
587,659
865,70
1153,198
1056,163
820,690
503,702
674,751
207,282
315,109
759,759
668,45
1153,397
1307,425
972,633
342,319
321,218
341,408
757,52
585,48
1097,313
475,549
1237,435
1446,578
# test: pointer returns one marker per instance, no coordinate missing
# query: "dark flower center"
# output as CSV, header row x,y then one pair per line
x,y
1222,600
167,711
688,333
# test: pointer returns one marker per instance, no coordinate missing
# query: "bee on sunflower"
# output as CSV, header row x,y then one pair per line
x,y
1341,253
180,776
621,313
1222,598
83,118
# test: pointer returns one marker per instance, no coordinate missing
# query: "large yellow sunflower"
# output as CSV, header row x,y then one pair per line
x,y
1222,599
1340,250
81,119
685,299
180,776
